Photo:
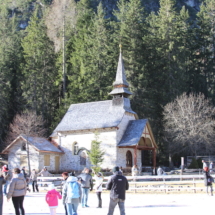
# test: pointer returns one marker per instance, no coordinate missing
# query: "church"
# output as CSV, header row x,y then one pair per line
x,y
122,135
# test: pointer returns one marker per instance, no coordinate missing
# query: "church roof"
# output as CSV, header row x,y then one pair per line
x,y
94,115
120,84
119,90
133,132
39,143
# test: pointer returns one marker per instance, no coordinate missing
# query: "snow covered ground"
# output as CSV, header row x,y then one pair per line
x,y
135,204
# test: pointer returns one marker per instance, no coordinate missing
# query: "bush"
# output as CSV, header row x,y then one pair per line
x,y
200,164
194,164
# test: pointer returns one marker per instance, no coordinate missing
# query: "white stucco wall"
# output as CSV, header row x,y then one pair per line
x,y
16,152
69,161
109,138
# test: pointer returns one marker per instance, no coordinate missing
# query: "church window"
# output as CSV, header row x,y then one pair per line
x,y
75,148
83,158
23,148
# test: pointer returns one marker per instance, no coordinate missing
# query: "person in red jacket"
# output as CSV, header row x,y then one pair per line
x,y
52,197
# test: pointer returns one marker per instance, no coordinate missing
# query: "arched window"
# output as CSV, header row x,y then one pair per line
x,y
83,158
75,148
128,159
23,148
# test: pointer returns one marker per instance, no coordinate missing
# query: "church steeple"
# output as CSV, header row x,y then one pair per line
x,y
120,84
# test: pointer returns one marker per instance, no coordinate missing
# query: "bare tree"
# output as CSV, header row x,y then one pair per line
x,y
189,125
29,124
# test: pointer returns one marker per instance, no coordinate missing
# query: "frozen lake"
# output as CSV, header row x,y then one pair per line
x,y
151,204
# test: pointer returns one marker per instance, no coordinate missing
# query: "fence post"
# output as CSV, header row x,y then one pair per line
x,y
194,185
135,187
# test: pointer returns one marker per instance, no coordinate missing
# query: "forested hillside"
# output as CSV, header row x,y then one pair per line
x,y
55,53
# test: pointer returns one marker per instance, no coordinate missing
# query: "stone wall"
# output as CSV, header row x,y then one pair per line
x,y
121,157
51,167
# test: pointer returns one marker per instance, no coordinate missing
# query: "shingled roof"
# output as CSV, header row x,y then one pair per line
x,y
120,84
94,115
133,132
39,143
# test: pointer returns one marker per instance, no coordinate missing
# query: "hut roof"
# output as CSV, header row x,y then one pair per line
x,y
40,144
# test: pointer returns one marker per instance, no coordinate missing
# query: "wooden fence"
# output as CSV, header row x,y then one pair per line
x,y
146,184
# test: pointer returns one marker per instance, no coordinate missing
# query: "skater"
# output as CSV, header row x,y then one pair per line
x,y
2,181
208,180
204,164
98,187
135,172
211,167
71,195
17,191
26,178
7,174
52,197
44,172
65,176
117,184
86,185
33,178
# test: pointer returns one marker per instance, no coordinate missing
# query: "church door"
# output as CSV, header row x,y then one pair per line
x,y
83,158
128,159
57,163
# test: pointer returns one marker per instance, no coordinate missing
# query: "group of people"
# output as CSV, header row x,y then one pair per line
x,y
75,190
15,185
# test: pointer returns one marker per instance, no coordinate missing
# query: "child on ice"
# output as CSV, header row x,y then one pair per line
x,y
52,197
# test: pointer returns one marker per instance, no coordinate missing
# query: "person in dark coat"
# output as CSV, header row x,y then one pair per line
x,y
86,185
117,184
208,180
2,181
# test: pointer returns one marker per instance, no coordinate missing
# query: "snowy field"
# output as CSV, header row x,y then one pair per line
x,y
135,204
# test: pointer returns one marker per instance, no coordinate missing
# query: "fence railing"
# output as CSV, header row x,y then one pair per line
x,y
139,184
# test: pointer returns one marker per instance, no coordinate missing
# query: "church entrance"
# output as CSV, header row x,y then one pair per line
x,y
128,159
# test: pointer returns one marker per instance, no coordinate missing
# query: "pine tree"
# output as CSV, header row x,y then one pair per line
x,y
130,28
96,154
166,71
10,59
91,56
205,49
39,83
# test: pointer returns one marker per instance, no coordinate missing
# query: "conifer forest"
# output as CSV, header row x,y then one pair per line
x,y
54,53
